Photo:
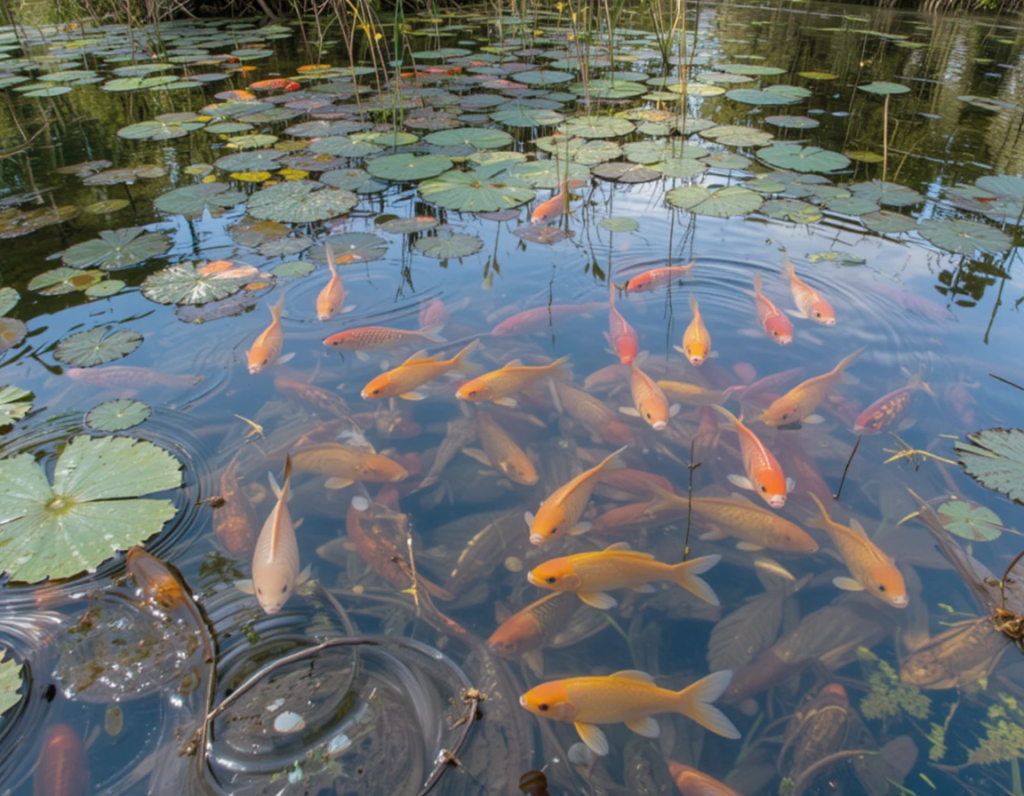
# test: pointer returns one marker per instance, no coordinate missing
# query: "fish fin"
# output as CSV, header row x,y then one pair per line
x,y
855,524
305,575
593,738
757,282
580,528
511,403
742,498
286,358
678,348
459,360
646,727
597,599
528,517
733,420
557,367
847,584
535,660
346,309
710,536
421,354
775,568
790,484
331,260
554,396
362,356
647,588
663,500
814,420
413,395
674,410
687,575
824,521
693,304
612,461
846,362
275,487
634,674
478,455
695,702
641,357
277,307
749,547
741,481
515,363
796,313
619,546
245,586
433,333
629,411
338,483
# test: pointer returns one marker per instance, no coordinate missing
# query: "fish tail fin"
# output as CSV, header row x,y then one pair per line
x,y
459,360
822,522
612,461
687,575
757,282
917,380
847,361
663,499
277,307
695,701
787,264
331,261
689,266
733,420
693,305
433,333
287,477
558,367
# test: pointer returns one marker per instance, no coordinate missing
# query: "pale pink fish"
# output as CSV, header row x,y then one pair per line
x,y
775,323
807,300
266,351
656,278
275,561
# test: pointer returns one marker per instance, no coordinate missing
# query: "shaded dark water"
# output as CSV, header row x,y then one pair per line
x,y
833,691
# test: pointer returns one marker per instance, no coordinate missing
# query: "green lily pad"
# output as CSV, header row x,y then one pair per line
x,y
59,281
970,521
116,249
543,77
886,193
10,683
862,156
989,103
293,269
727,160
193,200
608,89
793,122
485,189
852,205
625,172
887,222
342,146
120,84
299,202
753,96
793,210
736,135
995,459
157,131
9,299
1007,186
252,161
253,141
15,403
183,284
818,75
961,236
118,415
882,88
359,246
550,173
619,224
447,247
12,332
476,137
106,288
407,167
751,70
840,258
720,203
105,206
96,346
405,226
522,116
597,127
580,150
803,159
92,510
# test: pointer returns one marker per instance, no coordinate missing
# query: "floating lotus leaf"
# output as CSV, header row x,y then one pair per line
x,y
803,159
886,222
852,205
1004,185
840,258
989,104
793,122
544,235
753,96
293,269
597,127
995,459
735,135
256,233
727,160
818,75
447,247
14,222
43,90
227,128
193,200
10,683
96,346
12,332
886,193
476,137
356,180
970,521
484,189
352,247
580,150
125,176
550,173
404,226
696,90
285,247
791,210
322,129
184,284
714,78
91,511
864,157
407,167
108,287
522,116
58,281
118,415
9,299
543,77
251,176
751,70
157,131
625,172
137,83
680,168
256,160
720,203
619,224
655,151
389,139
299,202
608,89
15,403
106,206
793,92
961,236
882,88
488,157
342,146
116,249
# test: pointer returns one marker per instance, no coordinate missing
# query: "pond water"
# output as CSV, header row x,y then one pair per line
x,y
161,187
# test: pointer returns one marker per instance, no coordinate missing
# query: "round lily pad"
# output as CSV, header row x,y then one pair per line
x,y
446,247
9,298
96,346
736,135
15,403
962,236
793,210
106,288
619,224
995,459
550,173
679,168
852,205
157,131
818,75
543,77
253,141
886,222
12,332
255,160
192,200
580,150
300,201
886,193
608,89
625,172
803,159
486,188
753,96
597,127
1005,185
58,281
882,88
10,682
404,226
970,521
106,206
720,203
184,284
793,122
352,247
751,70
293,269
727,160
116,249
522,116
118,415
476,137
121,84
407,167
342,146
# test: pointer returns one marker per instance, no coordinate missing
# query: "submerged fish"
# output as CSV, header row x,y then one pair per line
x,y
889,408
500,385
63,768
458,434
649,401
526,631
234,523
554,207
764,473
315,396
656,278
591,413
692,782
416,371
798,404
592,575
331,299
630,697
696,339
807,300
621,336
774,322
346,464
266,351
378,338
501,452
540,319
275,561
130,377
694,395
155,580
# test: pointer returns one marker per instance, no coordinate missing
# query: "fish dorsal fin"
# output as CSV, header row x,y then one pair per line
x,y
515,363
634,674
623,550
418,356
855,524
619,546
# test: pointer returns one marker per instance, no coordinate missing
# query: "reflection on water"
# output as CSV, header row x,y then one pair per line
x,y
613,403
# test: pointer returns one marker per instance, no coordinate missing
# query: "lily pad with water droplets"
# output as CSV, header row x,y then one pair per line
x,y
118,415
962,236
720,203
995,459
96,346
803,159
10,683
299,202
93,509
484,189
970,521
407,167
184,284
9,299
597,127
193,200
447,247
15,403
117,248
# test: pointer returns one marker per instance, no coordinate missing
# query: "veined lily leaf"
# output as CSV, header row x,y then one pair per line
x,y
962,236
10,683
96,346
970,521
8,300
124,413
484,189
406,167
803,159
184,284
995,459
117,248
300,201
12,332
15,403
445,247
720,203
192,200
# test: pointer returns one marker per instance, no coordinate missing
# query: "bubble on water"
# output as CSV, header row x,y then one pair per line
x,y
360,503
514,564
289,722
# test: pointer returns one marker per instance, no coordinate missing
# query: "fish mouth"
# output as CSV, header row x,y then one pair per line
x,y
785,341
777,501
537,539
323,316
830,322
899,602
697,361
522,701
254,369
529,575
659,425
364,395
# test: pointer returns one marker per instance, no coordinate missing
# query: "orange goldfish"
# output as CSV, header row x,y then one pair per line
x,y
499,385
692,782
696,339
873,571
233,522
656,278
275,84
620,335
331,299
63,767
154,579
774,322
417,370
275,561
561,512
630,697
592,575
590,413
378,338
346,464
889,408
694,395
806,297
526,631
501,452
649,402
798,404
540,319
764,473
554,207
266,351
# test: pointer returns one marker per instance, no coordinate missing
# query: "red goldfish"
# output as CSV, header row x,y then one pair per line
x,y
266,351
696,339
764,473
378,338
656,278
555,206
416,371
807,299
887,409
154,579
649,401
275,84
63,769
799,403
621,336
775,323
499,385
692,782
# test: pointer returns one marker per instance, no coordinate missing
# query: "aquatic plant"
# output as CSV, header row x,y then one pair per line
x,y
888,697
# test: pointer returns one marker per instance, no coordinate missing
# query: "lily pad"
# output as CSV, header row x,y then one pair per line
x,y
120,84
300,201
580,150
105,206
608,89
484,189
59,281
962,236
118,415
293,268
10,683
727,160
619,224
15,403
407,167
597,127
106,288
476,137
92,510
157,131
887,222
193,200
791,210
882,88
9,299
720,203
995,459
405,226
342,146
550,173
970,521
737,135
751,70
12,332
352,247
1005,185
803,159
793,122
543,77
96,346
886,193
255,160
447,247
184,284
753,96
522,116
625,172
116,249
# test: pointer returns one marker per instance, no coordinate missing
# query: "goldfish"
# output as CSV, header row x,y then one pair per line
x,y
631,516
416,371
233,523
130,377
775,323
625,483
873,571
649,402
346,464
266,351
561,511
331,299
154,579
275,561
657,277
501,452
592,575
554,207
608,377
694,395
540,319
238,95
63,768
526,631
630,697
590,413
275,84
888,409
433,314
807,300
692,782
315,396
764,473
378,338
620,335
696,339
798,404
499,385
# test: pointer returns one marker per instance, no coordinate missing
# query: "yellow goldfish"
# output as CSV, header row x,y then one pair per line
x,y
592,575
590,413
501,452
345,464
807,300
266,351
275,561
873,571
331,299
696,339
561,512
799,403
764,473
499,385
416,371
155,579
649,402
694,395
630,697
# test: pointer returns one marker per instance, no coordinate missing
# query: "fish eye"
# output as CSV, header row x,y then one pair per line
x,y
284,588
817,314
764,488
648,415
881,587
375,392
259,592
551,579
543,706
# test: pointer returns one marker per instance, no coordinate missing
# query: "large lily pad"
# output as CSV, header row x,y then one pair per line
x,y
117,248
192,200
10,683
887,222
407,167
886,193
252,161
970,521
59,281
484,189
962,236
12,332
157,131
882,88
523,116
8,300
445,247
352,247
15,403
995,459
96,346
300,201
720,203
342,146
803,159
737,135
597,127
753,96
550,173
91,511
580,150
185,284
476,137
543,77
119,415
